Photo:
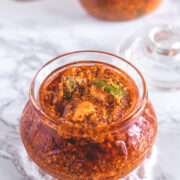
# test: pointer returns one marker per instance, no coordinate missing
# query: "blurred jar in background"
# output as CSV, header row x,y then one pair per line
x,y
115,10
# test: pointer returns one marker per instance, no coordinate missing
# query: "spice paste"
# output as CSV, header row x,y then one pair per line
x,y
87,95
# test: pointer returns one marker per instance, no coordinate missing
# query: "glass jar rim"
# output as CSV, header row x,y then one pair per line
x,y
125,120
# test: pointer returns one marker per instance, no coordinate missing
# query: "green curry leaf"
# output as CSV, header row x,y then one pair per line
x,y
109,88
122,91
100,83
140,13
71,82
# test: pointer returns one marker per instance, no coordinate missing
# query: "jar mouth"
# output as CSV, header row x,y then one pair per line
x,y
79,131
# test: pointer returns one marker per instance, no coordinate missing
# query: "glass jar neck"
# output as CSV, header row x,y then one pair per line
x,y
88,58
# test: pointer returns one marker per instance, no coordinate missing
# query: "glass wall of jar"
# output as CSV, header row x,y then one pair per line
x,y
119,10
76,151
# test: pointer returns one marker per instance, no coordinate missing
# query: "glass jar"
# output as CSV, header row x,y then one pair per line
x,y
118,10
72,152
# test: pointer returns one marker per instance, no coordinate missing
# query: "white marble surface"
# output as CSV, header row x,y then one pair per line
x,y
33,32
